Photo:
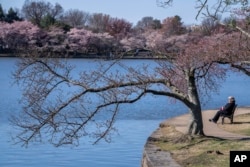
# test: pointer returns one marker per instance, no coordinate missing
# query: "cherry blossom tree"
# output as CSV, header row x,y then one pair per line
x,y
215,10
209,7
187,68
133,42
239,11
53,41
84,41
234,50
78,39
21,37
187,71
18,35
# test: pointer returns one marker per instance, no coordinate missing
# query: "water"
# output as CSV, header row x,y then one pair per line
x,y
125,150
136,122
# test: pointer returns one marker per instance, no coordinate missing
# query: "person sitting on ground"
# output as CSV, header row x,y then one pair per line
x,y
226,110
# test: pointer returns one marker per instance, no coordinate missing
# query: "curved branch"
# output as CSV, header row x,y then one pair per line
x,y
169,94
239,67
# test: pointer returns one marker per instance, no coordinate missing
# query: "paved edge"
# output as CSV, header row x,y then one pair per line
x,y
153,156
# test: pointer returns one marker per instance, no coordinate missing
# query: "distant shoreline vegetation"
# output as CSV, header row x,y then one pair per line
x,y
78,34
133,54
101,36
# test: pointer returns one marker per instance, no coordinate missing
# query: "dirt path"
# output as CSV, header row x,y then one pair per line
x,y
210,129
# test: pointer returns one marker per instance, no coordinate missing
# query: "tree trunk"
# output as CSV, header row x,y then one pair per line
x,y
196,125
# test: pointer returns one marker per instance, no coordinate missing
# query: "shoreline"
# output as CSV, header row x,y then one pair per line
x,y
92,56
155,157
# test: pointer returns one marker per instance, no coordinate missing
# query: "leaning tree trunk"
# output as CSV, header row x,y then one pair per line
x,y
196,125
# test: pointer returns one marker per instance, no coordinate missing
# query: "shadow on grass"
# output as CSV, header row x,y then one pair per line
x,y
237,122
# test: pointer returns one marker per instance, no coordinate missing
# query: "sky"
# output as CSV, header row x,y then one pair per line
x,y
130,10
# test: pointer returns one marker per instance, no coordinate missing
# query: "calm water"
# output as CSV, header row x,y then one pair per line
x,y
136,122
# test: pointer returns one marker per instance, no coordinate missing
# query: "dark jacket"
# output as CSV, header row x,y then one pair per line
x,y
228,108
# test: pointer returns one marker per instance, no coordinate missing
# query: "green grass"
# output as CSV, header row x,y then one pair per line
x,y
201,151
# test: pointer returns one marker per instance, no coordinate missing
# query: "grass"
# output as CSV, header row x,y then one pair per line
x,y
241,125
205,151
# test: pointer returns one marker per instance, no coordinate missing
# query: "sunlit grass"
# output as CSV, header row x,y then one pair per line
x,y
199,151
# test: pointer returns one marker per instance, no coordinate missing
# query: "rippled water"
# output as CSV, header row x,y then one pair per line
x,y
136,122
125,150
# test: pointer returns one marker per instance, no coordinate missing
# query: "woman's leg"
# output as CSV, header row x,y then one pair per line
x,y
217,116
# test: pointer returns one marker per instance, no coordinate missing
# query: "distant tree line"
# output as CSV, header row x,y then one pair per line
x,y
43,27
44,14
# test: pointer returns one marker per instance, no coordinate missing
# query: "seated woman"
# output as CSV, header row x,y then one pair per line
x,y
226,110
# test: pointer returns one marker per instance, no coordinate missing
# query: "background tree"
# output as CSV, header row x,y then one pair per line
x,y
54,41
56,11
36,11
173,26
148,23
12,16
214,10
76,18
234,49
78,39
2,14
132,42
19,36
208,26
47,21
99,22
119,28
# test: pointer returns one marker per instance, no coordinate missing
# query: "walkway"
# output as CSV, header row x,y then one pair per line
x,y
154,157
210,129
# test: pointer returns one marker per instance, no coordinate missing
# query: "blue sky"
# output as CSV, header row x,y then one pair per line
x,y
131,10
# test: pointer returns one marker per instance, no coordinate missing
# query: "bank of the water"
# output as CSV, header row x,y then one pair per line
x,y
94,56
153,156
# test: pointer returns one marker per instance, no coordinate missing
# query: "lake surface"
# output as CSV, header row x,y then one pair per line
x,y
136,122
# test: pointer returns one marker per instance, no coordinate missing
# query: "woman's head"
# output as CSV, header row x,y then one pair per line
x,y
231,99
